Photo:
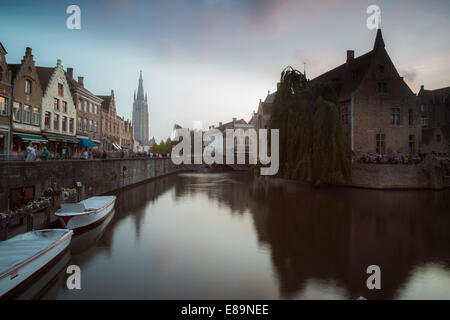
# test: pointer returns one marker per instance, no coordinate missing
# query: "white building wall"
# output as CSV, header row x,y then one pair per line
x,y
51,92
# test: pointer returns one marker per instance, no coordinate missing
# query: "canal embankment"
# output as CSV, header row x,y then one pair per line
x,y
430,174
22,182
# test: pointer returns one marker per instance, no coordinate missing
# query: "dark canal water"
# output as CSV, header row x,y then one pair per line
x,y
229,236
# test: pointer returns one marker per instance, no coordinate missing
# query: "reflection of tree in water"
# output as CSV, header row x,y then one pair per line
x,y
336,233
332,234
325,234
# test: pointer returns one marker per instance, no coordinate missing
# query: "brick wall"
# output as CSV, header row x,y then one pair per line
x,y
98,176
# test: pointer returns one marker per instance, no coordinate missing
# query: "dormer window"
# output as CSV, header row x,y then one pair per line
x,y
28,86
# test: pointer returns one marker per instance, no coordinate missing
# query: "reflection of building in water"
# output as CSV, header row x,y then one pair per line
x,y
328,237
336,234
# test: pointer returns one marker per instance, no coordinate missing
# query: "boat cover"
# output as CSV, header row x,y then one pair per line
x,y
94,203
24,246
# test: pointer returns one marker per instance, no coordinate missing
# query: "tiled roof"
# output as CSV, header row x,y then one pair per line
x,y
230,125
44,74
436,96
14,69
347,77
106,101
270,97
74,84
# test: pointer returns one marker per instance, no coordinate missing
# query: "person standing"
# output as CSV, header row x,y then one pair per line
x,y
45,154
64,152
29,148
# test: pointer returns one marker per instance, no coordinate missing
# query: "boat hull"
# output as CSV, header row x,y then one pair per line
x,y
19,274
87,218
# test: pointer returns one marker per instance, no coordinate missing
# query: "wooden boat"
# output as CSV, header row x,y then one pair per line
x,y
25,254
86,212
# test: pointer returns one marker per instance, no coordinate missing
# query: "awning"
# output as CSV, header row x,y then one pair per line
x,y
61,138
85,142
31,138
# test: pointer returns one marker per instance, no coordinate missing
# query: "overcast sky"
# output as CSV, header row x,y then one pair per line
x,y
212,60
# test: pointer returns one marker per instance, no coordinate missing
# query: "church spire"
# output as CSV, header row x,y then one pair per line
x,y
379,42
140,92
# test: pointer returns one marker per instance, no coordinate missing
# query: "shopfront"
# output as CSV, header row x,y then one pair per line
x,y
61,146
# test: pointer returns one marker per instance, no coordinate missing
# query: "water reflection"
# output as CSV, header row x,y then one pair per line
x,y
229,236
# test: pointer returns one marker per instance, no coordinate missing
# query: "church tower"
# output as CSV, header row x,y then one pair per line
x,y
140,114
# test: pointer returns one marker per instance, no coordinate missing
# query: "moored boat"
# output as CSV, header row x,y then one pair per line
x,y
86,212
25,254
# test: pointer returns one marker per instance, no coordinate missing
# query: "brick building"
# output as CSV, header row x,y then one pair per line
x,y
126,134
5,98
378,110
435,120
88,107
27,104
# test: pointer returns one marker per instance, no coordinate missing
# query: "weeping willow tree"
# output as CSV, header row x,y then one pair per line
x,y
312,141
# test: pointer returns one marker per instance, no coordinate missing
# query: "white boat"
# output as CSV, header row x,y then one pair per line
x,y
25,254
86,212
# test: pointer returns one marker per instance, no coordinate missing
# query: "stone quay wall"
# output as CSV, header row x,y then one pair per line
x,y
97,176
426,175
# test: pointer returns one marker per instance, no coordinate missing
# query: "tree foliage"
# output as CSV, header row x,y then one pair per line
x,y
163,147
312,141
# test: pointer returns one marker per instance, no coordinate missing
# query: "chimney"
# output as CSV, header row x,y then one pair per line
x,y
350,55
70,73
81,81
220,124
234,120
422,87
28,51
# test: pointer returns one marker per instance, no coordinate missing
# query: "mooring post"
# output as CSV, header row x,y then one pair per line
x,y
30,222
47,213
4,232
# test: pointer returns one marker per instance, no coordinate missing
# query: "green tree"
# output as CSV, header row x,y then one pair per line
x,y
312,141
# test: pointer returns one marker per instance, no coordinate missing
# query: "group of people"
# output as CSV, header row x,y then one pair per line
x,y
32,153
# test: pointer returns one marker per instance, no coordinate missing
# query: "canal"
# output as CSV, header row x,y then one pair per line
x,y
231,236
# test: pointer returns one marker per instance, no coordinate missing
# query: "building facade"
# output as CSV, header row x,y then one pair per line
x,y
88,107
58,121
435,120
378,110
126,135
27,104
140,114
110,124
5,98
